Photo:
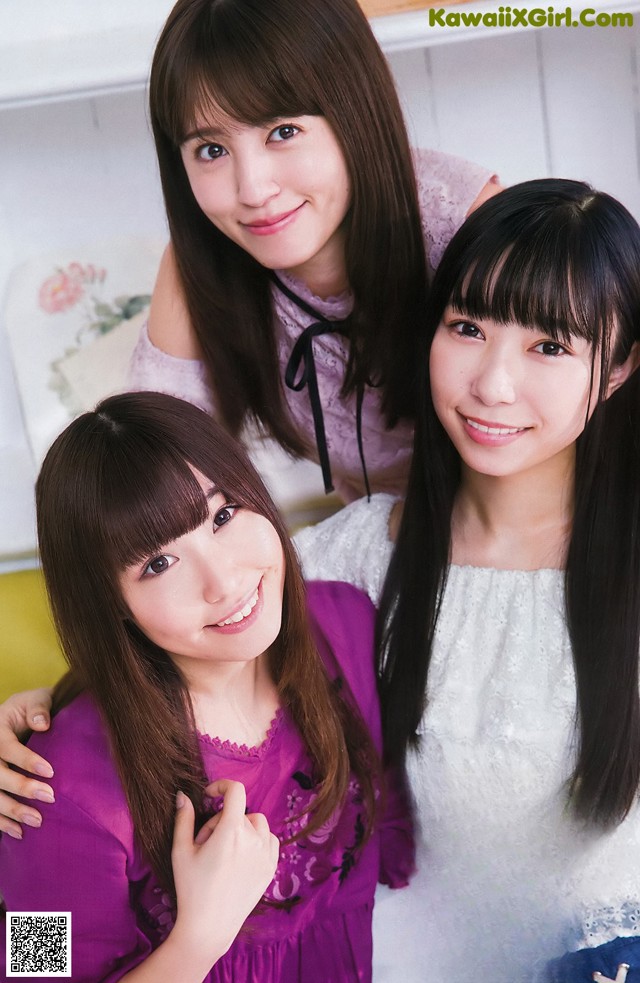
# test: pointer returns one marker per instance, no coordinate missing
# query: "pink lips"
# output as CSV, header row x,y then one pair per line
x,y
239,626
269,226
490,433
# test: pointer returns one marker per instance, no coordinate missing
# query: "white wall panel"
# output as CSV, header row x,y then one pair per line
x,y
593,107
482,109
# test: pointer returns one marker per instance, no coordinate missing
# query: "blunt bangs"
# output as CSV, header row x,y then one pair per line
x,y
150,497
539,254
123,479
238,61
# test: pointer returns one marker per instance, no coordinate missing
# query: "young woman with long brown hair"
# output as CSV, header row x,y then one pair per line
x,y
200,667
303,231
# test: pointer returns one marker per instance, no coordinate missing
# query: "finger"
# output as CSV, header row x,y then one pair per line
x,y
599,978
259,823
183,825
39,718
234,795
207,829
621,975
15,753
12,811
16,784
274,844
13,829
23,711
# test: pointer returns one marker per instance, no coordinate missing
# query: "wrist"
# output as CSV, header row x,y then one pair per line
x,y
192,935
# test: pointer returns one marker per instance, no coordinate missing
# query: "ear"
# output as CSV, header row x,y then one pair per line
x,y
620,373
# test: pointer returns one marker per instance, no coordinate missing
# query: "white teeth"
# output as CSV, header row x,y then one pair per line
x,y
242,614
496,431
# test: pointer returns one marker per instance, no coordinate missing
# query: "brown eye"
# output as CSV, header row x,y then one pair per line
x,y
552,348
223,516
210,151
158,565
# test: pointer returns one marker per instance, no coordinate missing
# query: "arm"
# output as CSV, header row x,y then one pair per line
x,y
167,357
169,323
18,715
397,847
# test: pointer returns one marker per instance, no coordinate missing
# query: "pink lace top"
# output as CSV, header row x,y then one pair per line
x,y
447,187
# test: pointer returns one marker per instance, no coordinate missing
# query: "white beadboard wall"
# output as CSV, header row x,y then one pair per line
x,y
79,165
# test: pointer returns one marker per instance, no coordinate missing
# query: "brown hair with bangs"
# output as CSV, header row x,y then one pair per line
x,y
115,487
259,60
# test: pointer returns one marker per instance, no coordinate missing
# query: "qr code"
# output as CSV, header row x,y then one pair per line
x,y
38,943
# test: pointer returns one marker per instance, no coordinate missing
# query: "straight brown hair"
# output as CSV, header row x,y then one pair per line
x,y
115,487
259,60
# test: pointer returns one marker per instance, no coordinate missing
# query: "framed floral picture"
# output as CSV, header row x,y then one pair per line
x,y
72,319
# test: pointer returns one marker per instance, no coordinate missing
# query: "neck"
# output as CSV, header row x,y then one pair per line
x,y
325,274
520,521
235,702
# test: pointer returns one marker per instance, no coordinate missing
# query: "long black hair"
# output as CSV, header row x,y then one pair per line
x,y
561,256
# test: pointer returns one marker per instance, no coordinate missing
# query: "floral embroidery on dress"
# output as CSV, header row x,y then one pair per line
x,y
315,858
159,912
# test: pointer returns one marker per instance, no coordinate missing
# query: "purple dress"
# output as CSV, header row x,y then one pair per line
x,y
85,860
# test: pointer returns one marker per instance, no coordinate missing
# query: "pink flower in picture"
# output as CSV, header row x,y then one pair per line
x,y
60,292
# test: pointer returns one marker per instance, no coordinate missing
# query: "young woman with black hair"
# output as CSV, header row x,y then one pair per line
x,y
509,634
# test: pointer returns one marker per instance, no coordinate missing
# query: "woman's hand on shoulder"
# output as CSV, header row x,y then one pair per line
x,y
169,324
221,874
621,975
18,715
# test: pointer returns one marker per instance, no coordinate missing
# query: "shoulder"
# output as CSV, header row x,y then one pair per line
x,y
352,546
151,368
435,168
170,326
448,187
343,623
77,746
345,614
77,724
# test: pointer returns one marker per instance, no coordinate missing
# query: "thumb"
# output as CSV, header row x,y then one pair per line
x,y
37,707
39,718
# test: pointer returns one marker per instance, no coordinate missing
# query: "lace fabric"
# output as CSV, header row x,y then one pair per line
x,y
506,879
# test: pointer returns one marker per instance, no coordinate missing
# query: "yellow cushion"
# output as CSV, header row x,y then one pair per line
x,y
29,652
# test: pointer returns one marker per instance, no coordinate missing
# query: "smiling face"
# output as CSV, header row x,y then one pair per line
x,y
214,595
510,398
280,191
